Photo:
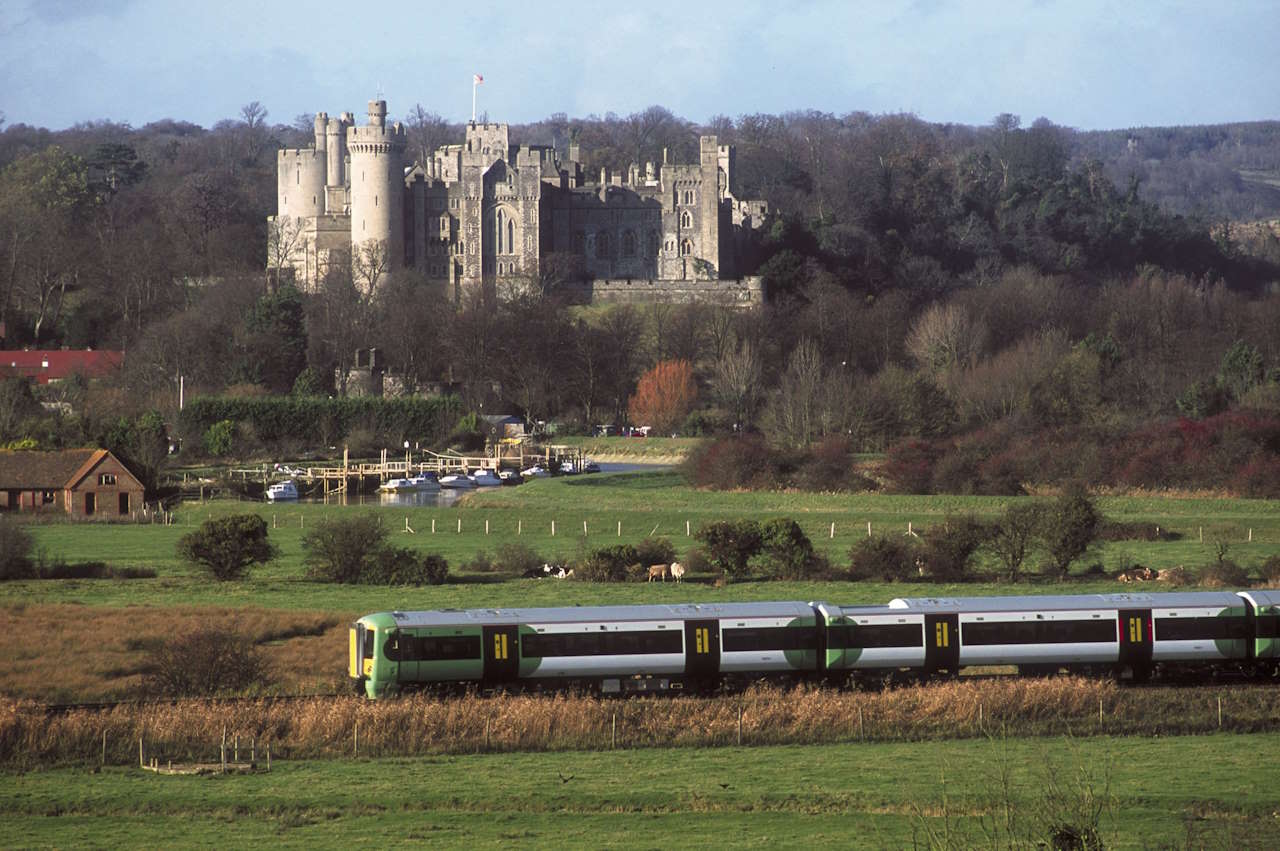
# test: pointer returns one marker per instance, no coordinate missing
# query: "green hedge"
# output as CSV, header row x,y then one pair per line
x,y
321,420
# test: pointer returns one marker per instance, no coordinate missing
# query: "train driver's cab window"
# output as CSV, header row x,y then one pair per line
x,y
368,643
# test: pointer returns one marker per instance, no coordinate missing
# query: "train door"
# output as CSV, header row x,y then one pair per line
x,y
701,650
942,643
501,653
1135,643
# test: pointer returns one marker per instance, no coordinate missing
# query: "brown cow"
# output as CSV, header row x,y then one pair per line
x,y
659,570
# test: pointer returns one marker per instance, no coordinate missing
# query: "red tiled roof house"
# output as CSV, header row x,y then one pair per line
x,y
85,483
56,365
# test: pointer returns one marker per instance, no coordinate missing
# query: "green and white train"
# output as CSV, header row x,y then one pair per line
x,y
656,648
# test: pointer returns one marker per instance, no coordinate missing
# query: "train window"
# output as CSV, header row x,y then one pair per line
x,y
1191,629
630,643
875,635
1038,632
1268,626
438,648
368,644
768,638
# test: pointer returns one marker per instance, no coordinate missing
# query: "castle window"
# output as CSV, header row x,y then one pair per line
x,y
686,219
686,248
653,243
671,244
511,237
602,245
687,197
497,237
628,243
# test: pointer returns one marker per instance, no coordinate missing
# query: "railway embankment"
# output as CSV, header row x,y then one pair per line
x,y
335,727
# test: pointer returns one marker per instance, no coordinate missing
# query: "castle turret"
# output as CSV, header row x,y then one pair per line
x,y
300,176
377,184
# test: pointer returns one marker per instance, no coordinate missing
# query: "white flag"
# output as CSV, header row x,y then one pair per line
x,y
478,79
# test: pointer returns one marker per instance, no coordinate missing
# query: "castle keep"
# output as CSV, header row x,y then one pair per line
x,y
484,211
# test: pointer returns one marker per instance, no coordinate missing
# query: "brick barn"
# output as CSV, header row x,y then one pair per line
x,y
84,483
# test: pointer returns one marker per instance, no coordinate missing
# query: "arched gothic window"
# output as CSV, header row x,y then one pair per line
x,y
511,237
628,243
686,219
686,248
602,245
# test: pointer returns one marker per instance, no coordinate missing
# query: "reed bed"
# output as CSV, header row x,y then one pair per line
x,y
327,728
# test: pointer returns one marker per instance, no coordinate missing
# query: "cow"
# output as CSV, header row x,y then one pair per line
x,y
1137,574
658,570
677,571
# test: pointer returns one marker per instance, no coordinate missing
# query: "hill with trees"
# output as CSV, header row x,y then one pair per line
x,y
949,288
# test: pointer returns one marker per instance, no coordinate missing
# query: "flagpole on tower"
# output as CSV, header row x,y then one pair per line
x,y
476,80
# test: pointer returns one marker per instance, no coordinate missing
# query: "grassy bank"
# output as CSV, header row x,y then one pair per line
x,y
998,792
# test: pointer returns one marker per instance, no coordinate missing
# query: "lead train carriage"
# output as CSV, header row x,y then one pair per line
x,y
622,649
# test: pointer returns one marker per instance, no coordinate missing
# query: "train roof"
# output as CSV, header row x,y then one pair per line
x,y
1263,597
577,614
1067,602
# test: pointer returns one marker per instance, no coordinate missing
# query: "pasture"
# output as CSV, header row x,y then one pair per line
x,y
996,792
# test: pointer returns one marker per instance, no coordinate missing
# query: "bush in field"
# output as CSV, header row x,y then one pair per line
x,y
219,438
946,550
1012,536
730,544
785,551
516,558
356,550
888,557
742,461
206,661
608,564
909,465
1270,570
1068,526
15,551
1224,574
655,551
226,547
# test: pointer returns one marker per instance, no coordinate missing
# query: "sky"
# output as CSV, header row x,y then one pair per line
x,y
1088,64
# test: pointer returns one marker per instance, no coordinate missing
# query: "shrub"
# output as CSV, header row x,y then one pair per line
x,y
946,550
608,564
219,438
1011,536
1224,574
481,562
227,546
397,566
516,558
1068,526
344,549
1270,570
15,551
655,551
888,557
730,463
909,465
206,661
785,551
730,544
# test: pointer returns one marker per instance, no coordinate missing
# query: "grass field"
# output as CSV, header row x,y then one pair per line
x,y
993,793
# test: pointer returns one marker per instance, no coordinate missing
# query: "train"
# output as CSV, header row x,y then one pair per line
x,y
700,647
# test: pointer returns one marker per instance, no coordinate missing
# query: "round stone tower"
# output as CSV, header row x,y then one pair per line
x,y
377,183
300,178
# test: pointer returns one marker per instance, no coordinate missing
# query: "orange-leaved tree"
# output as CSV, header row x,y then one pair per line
x,y
664,396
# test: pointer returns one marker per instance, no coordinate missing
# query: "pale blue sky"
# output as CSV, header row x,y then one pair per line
x,y
1082,63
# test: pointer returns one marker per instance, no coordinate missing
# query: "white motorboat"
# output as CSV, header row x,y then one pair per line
x,y
457,481
425,482
398,486
510,477
486,479
282,491
537,471
590,466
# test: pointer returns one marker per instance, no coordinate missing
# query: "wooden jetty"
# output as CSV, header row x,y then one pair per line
x,y
336,478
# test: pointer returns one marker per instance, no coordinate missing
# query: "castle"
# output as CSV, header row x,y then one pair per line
x,y
485,211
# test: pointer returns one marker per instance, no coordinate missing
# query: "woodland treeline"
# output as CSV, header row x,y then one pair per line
x,y
927,283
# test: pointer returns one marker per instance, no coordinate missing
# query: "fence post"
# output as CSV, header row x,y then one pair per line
x,y
553,528
1099,710
1219,711
868,528
613,733
486,526
223,749
433,525
236,758
619,528
861,731
486,734
519,527
833,530
686,528
141,762
104,747
584,527
739,724
459,525
268,756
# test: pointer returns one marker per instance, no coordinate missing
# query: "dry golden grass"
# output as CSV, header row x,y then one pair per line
x,y
66,652
327,727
